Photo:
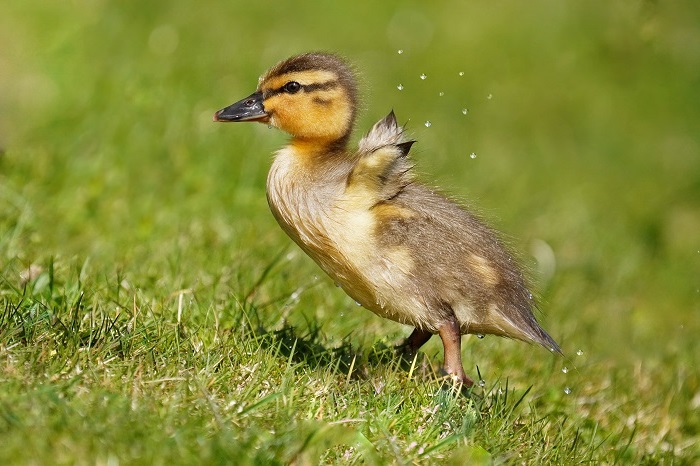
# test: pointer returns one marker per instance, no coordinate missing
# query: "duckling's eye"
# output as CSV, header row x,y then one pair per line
x,y
292,87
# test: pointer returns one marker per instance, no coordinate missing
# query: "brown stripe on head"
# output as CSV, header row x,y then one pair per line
x,y
317,61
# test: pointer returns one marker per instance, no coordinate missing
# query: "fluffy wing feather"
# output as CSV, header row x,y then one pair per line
x,y
383,168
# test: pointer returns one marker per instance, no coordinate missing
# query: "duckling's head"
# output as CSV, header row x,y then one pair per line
x,y
312,96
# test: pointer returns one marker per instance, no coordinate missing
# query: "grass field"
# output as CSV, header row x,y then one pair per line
x,y
152,312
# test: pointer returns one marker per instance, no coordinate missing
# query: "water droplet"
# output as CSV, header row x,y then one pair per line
x,y
480,336
358,303
567,390
579,352
482,383
428,124
337,285
500,391
461,73
400,87
270,127
490,96
472,155
529,296
465,111
400,51
565,369
441,94
423,76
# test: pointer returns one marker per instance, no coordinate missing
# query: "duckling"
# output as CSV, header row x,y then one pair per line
x,y
395,246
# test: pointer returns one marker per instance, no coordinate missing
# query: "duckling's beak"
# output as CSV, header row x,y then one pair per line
x,y
249,109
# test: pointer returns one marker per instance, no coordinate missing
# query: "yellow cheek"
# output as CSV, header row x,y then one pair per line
x,y
307,119
282,111
326,121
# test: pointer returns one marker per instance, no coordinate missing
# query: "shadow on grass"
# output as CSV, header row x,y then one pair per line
x,y
308,348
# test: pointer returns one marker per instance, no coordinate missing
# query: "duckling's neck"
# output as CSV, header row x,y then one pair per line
x,y
312,165
320,150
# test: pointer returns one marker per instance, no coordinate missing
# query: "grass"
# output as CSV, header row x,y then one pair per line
x,y
152,312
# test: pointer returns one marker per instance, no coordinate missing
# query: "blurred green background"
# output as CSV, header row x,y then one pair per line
x,y
584,118
589,143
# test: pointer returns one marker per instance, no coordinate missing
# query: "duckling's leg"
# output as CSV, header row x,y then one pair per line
x,y
408,348
415,340
452,342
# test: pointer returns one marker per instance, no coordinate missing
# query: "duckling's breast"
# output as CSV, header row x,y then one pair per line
x,y
337,231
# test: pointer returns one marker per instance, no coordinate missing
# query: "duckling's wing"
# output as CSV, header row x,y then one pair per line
x,y
383,168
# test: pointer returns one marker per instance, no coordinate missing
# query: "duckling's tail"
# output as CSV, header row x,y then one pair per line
x,y
522,325
543,338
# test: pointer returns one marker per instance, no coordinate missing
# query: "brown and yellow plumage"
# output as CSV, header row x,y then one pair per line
x,y
395,246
